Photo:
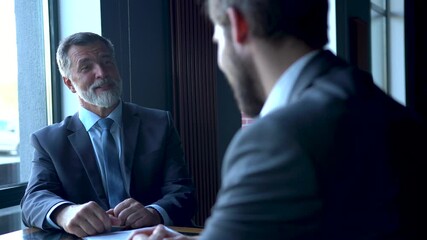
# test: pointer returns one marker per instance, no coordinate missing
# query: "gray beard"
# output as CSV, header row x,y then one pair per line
x,y
105,99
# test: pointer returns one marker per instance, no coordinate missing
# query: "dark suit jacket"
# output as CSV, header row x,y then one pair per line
x,y
65,167
341,161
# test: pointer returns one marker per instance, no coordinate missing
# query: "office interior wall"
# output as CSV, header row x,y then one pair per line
x,y
140,31
345,12
415,53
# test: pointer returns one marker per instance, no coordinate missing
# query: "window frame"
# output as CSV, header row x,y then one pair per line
x,y
11,194
394,73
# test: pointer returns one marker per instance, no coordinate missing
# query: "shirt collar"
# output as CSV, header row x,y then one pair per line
x,y
89,118
279,95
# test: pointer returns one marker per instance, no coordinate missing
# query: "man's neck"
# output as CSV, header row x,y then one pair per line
x,y
100,111
272,60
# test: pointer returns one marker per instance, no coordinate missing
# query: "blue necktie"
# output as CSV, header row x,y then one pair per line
x,y
115,187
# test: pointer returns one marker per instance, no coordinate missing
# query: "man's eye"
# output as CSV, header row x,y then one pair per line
x,y
84,68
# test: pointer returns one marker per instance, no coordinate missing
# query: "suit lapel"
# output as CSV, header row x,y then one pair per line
x,y
130,138
314,68
82,145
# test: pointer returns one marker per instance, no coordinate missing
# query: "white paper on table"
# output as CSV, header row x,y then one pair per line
x,y
117,235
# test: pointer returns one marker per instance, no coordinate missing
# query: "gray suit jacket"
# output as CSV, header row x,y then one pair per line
x,y
65,167
340,161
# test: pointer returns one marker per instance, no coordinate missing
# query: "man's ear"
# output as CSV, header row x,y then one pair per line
x,y
69,84
239,25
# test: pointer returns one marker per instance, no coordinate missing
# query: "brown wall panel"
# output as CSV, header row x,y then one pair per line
x,y
194,93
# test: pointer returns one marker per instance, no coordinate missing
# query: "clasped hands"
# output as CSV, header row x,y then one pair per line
x,y
90,219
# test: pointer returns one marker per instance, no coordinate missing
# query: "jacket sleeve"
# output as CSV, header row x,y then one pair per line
x,y
43,189
178,189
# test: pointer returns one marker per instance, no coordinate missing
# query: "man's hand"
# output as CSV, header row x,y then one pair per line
x,y
82,220
159,232
133,214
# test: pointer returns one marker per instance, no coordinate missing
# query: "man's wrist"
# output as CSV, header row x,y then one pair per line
x,y
157,215
58,213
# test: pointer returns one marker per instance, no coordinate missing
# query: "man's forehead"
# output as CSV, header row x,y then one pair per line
x,y
79,52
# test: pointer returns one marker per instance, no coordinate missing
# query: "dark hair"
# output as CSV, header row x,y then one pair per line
x,y
79,39
277,19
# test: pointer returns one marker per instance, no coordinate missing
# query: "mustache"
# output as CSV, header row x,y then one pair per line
x,y
100,82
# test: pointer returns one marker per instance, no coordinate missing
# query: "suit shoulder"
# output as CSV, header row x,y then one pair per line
x,y
54,128
145,112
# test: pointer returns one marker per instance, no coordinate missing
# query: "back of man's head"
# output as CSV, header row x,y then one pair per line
x,y
277,19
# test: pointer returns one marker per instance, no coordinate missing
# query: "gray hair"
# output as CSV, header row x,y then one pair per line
x,y
79,39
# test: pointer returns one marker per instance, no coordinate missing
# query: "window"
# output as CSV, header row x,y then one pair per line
x,y
387,47
25,67
332,27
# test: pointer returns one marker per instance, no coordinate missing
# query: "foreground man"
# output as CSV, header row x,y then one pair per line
x,y
111,164
331,156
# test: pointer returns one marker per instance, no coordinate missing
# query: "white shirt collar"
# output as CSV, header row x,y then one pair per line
x,y
279,95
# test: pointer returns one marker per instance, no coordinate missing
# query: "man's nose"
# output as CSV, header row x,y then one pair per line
x,y
100,71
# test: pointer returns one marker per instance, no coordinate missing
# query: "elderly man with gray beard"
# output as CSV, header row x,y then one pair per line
x,y
112,163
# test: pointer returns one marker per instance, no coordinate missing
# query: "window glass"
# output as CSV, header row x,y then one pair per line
x,y
22,96
379,3
378,49
9,114
388,47
9,126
